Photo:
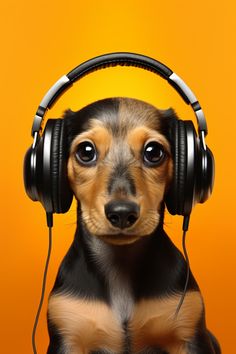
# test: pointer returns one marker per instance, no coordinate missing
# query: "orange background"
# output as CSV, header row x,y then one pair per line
x,y
43,40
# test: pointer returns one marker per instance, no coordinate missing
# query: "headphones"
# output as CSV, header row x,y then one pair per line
x,y
45,163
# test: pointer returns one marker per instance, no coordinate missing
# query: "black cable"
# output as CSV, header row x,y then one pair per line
x,y
49,223
185,229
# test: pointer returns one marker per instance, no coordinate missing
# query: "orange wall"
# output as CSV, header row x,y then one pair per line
x,y
41,41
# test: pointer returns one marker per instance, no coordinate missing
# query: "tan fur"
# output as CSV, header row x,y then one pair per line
x,y
136,122
88,325
141,134
89,184
151,182
85,325
154,322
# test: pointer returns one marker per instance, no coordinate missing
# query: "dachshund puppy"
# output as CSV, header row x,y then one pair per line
x,y
121,281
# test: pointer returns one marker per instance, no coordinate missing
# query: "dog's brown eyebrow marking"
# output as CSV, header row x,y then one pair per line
x,y
119,115
138,136
98,134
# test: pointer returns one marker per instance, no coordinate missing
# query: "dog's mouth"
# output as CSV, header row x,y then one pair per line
x,y
120,238
121,223
100,227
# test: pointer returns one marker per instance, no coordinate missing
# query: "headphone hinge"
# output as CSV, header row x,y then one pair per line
x,y
36,134
202,139
202,125
36,124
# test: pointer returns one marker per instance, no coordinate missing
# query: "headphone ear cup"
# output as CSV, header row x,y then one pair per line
x,y
206,178
45,169
181,167
30,175
61,192
181,195
175,197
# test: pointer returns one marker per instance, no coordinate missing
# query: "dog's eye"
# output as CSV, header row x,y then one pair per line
x,y
86,153
153,153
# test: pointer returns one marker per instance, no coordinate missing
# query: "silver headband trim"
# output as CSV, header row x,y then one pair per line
x,y
188,93
52,91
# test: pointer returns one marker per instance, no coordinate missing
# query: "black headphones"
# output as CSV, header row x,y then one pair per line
x,y
45,164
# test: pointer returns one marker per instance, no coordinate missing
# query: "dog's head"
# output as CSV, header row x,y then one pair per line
x,y
119,166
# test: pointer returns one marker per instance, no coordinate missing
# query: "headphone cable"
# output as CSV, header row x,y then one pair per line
x,y
50,225
185,229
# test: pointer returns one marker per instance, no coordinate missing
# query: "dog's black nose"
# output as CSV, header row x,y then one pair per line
x,y
121,213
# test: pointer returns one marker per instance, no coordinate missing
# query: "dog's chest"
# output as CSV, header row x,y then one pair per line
x,y
87,324
91,325
121,297
118,282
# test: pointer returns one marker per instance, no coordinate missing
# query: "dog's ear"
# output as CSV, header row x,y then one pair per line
x,y
168,114
68,113
68,118
168,117
75,123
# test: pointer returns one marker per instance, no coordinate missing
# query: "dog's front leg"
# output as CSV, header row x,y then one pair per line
x,y
56,345
204,343
55,349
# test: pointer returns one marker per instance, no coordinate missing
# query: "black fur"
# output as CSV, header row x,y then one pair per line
x,y
121,179
159,260
154,266
78,122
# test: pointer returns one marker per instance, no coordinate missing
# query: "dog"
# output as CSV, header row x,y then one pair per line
x,y
121,281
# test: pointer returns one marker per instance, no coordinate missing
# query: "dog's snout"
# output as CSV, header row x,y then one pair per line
x,y
121,213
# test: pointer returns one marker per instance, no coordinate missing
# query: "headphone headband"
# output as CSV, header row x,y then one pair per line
x,y
45,166
123,59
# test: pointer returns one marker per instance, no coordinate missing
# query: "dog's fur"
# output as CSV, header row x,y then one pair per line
x,y
117,290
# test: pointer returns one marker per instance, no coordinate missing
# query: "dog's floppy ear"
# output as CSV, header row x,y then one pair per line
x,y
168,113
68,113
75,122
169,116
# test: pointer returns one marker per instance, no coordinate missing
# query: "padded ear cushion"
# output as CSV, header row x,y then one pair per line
x,y
175,196
181,166
60,190
173,191
55,162
29,174
206,178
